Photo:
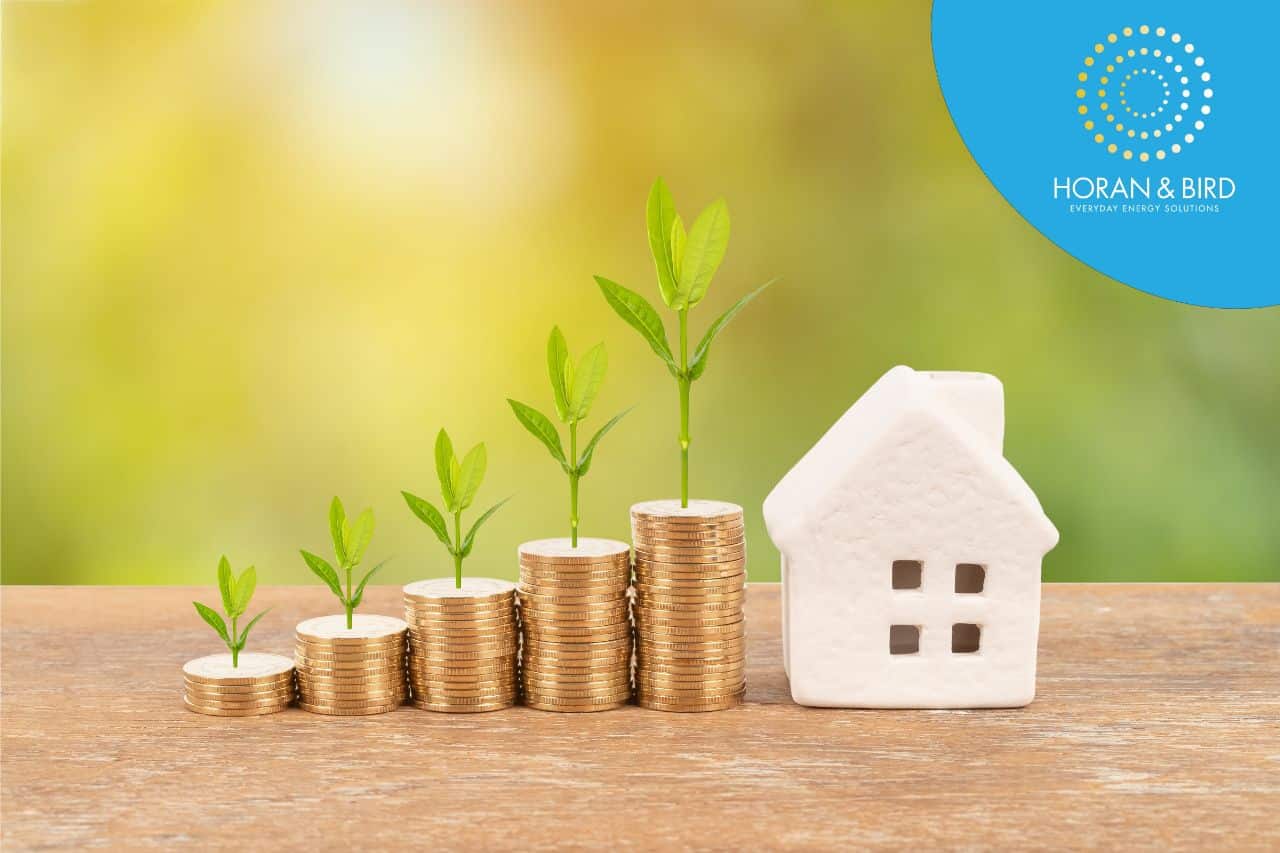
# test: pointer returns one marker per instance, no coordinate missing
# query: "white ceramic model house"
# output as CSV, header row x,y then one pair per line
x,y
911,553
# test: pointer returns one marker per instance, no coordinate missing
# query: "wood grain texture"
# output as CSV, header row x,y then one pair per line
x,y
1157,724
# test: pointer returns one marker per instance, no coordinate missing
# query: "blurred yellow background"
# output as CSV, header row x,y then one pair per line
x,y
256,254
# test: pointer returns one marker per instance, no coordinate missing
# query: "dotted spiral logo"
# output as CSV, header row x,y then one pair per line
x,y
1144,93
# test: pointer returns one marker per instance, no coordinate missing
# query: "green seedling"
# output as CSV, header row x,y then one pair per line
x,y
685,264
236,593
459,482
349,544
574,391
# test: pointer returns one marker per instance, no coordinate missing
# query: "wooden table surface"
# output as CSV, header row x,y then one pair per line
x,y
1157,724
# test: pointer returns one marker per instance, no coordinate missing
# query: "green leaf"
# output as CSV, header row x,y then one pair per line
x,y
214,619
541,428
660,213
587,380
698,363
358,595
584,463
337,529
470,539
226,584
641,316
245,585
678,241
445,460
361,535
320,566
244,635
708,240
426,511
471,475
557,361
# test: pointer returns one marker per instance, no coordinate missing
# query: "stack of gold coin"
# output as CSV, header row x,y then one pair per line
x,y
351,671
690,565
259,684
576,624
462,644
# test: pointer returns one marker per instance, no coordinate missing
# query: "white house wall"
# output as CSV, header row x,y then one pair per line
x,y
928,493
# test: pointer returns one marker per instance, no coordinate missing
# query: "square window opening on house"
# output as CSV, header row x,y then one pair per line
x,y
965,638
970,578
907,574
904,639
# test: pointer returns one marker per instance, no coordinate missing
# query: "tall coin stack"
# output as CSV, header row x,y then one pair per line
x,y
462,644
351,671
261,684
576,624
691,573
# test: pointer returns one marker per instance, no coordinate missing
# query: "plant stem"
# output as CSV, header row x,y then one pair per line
x,y
457,549
573,483
347,603
684,406
235,651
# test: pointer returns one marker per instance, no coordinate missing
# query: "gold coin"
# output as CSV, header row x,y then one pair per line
x,y
552,675
460,611
235,712
274,684
340,649
615,629
659,619
653,627
456,687
534,698
213,697
491,669
337,711
662,570
577,709
460,619
454,708
588,648
611,624
647,534
320,662
438,692
689,707
257,702
692,588
254,668
672,693
339,688
320,691
470,700
714,681
576,564
454,657
559,599
646,657
665,599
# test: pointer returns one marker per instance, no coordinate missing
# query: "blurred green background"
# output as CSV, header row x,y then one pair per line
x,y
255,254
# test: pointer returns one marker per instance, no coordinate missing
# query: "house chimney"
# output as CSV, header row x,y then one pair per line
x,y
976,397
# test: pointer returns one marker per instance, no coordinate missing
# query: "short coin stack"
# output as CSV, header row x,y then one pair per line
x,y
690,566
576,623
261,684
350,671
462,644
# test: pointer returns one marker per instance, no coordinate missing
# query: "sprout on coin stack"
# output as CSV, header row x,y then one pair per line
x,y
690,557
574,390
462,630
574,611
236,685
349,663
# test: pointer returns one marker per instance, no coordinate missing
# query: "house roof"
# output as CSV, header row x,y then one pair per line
x,y
898,393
